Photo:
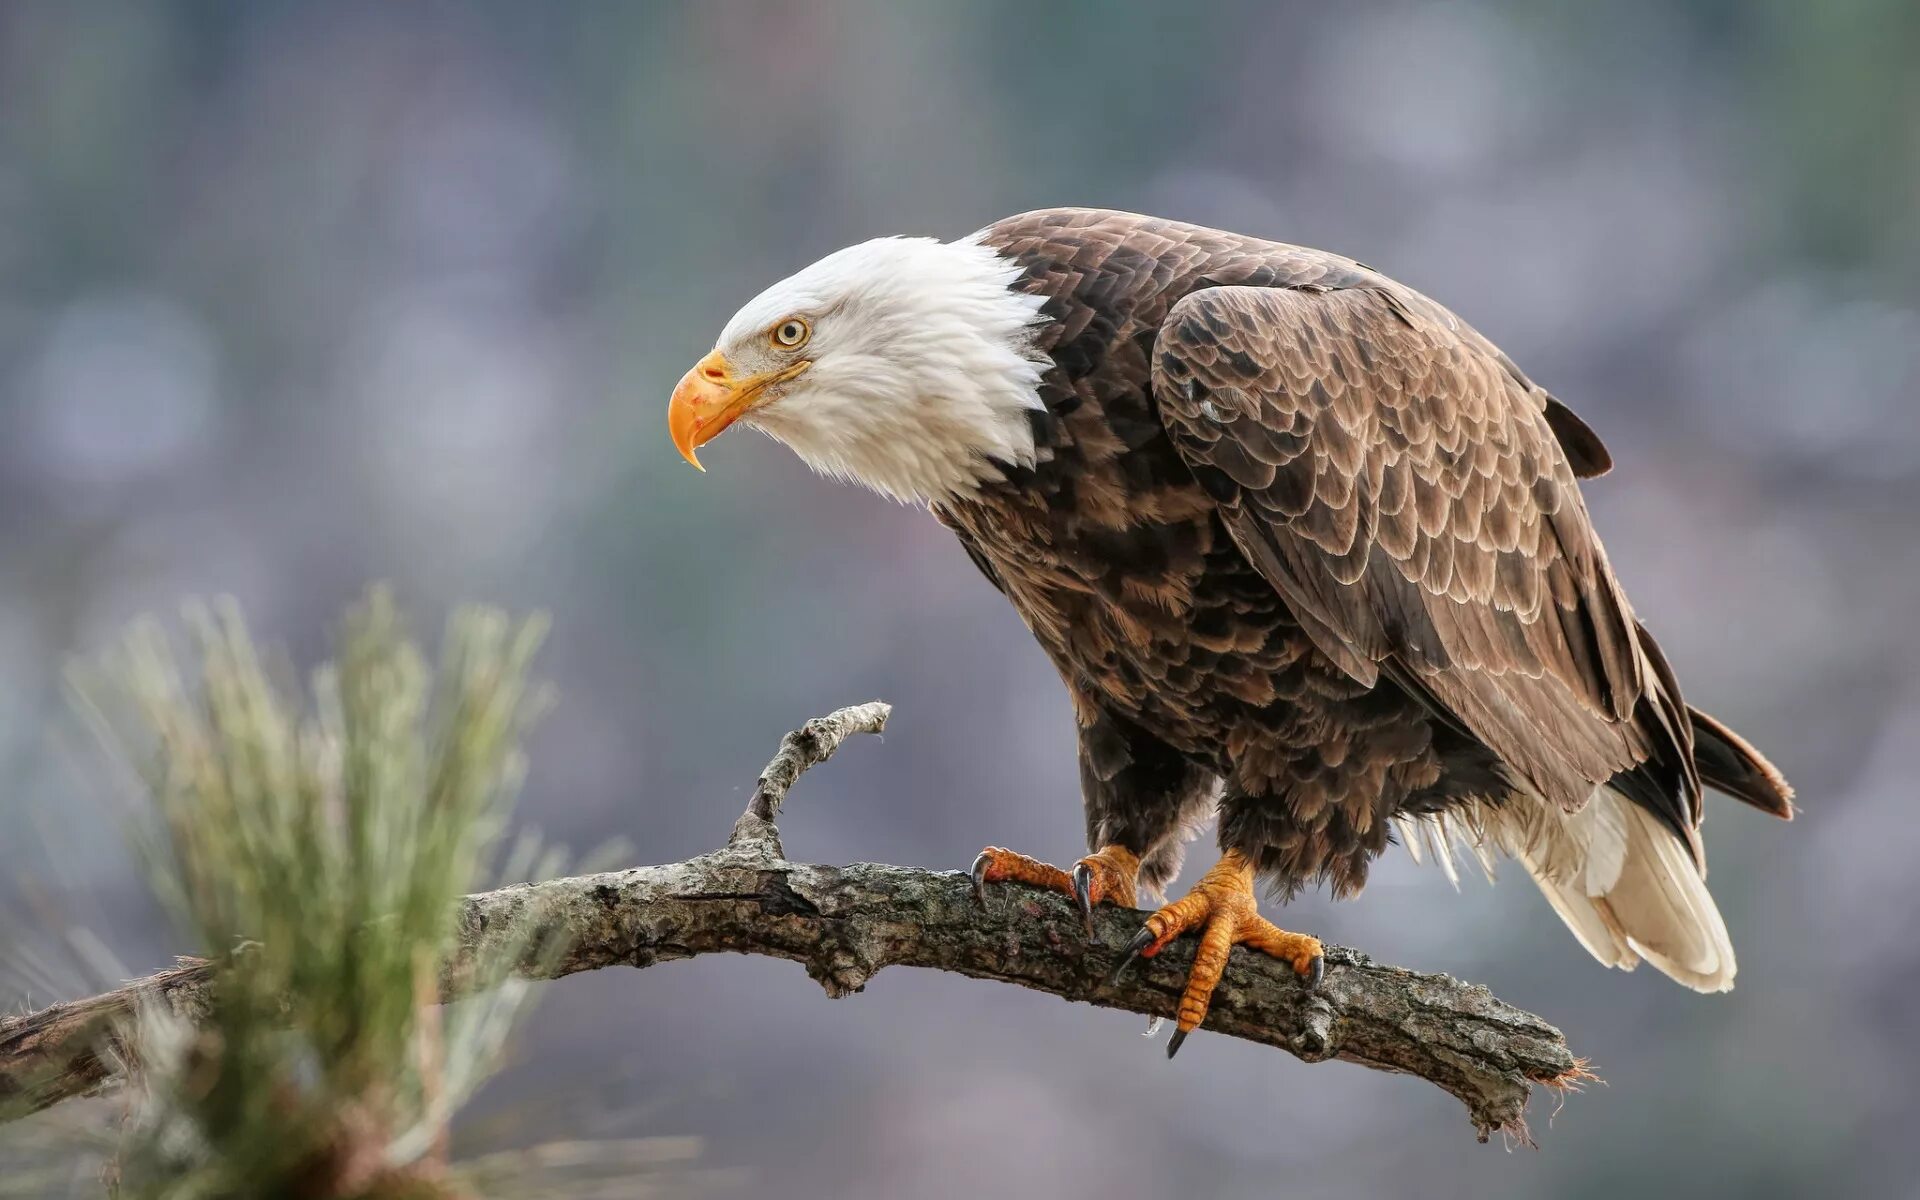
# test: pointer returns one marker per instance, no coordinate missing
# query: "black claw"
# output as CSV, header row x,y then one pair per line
x,y
1173,1043
1132,949
1083,892
1316,971
980,877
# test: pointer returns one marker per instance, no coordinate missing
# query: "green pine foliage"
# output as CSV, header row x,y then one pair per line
x,y
315,842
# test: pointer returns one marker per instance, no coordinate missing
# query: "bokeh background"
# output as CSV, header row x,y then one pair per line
x,y
297,296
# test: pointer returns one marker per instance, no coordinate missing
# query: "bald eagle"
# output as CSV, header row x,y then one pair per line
x,y
1308,552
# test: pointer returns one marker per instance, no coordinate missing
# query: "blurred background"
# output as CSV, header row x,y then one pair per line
x,y
296,296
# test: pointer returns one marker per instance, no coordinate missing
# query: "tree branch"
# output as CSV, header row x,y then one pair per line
x,y
844,924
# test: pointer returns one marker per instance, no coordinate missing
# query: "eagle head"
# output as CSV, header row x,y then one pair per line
x,y
905,364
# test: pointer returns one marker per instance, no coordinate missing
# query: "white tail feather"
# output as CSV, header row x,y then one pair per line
x,y
1625,885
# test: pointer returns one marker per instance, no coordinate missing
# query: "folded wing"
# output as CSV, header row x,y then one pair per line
x,y
1406,491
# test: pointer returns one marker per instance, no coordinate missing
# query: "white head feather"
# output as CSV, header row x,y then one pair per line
x,y
923,369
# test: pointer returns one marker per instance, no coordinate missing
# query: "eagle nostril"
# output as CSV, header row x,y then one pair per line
x,y
713,374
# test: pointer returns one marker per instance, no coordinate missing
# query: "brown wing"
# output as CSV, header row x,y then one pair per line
x,y
1408,496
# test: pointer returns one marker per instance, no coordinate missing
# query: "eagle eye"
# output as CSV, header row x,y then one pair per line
x,y
790,334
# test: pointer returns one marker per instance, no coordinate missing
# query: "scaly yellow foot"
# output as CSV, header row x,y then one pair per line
x,y
1222,907
1106,876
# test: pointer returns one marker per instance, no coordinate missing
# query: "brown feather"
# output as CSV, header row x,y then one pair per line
x,y
1456,417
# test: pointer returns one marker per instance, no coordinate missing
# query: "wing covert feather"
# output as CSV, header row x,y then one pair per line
x,y
1409,494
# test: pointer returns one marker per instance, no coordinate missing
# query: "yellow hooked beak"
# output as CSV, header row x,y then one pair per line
x,y
708,399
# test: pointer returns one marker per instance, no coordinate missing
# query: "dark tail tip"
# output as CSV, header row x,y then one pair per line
x,y
1728,764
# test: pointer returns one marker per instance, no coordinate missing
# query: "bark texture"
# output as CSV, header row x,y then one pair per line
x,y
844,924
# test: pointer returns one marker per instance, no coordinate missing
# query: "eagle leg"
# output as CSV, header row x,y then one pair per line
x,y
1222,907
1107,876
